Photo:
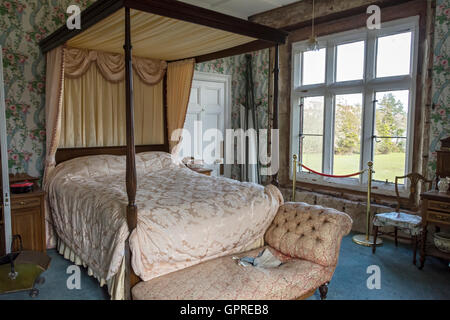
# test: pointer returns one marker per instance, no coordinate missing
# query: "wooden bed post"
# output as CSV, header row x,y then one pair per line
x,y
131,153
275,126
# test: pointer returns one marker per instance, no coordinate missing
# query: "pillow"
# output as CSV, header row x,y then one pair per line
x,y
107,165
156,160
93,166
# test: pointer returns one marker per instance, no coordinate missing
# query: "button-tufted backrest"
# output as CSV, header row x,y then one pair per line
x,y
308,232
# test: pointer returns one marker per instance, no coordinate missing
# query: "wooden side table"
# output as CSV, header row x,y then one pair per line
x,y
204,171
28,220
27,217
435,211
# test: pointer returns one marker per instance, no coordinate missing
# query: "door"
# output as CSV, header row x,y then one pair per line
x,y
5,206
206,120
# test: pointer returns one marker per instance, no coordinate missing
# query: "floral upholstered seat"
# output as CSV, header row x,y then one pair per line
x,y
400,220
223,278
305,238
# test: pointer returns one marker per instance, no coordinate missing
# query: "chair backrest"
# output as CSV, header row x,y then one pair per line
x,y
414,179
308,232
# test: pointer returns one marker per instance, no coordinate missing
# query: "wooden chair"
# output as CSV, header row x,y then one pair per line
x,y
401,220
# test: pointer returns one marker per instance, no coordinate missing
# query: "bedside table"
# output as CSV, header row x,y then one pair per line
x,y
204,171
435,211
28,220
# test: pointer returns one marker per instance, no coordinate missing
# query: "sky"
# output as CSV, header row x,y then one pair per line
x,y
393,58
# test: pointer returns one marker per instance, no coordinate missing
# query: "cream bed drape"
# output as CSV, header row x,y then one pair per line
x,y
93,108
90,120
54,91
85,107
72,64
85,104
179,83
111,65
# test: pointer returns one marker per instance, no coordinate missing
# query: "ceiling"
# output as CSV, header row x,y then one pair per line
x,y
240,8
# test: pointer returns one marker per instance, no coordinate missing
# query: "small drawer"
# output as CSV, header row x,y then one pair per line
x,y
440,206
439,217
25,203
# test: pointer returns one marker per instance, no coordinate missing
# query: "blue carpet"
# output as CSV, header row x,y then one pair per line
x,y
55,286
400,279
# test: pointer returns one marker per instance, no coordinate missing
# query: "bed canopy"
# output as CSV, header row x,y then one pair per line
x,y
121,83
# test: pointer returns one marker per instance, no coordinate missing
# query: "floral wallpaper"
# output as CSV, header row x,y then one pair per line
x,y
236,67
23,24
440,113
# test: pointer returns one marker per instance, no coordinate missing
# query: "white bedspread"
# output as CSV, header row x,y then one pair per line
x,y
183,217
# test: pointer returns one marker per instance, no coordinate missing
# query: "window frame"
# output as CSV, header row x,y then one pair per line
x,y
368,87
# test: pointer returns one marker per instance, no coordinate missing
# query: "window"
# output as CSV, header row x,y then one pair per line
x,y
394,55
352,102
347,133
313,70
391,124
312,135
350,61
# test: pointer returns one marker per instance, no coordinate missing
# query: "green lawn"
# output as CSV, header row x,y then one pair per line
x,y
386,166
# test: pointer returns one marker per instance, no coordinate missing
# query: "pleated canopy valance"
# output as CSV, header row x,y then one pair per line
x,y
86,103
156,37
111,65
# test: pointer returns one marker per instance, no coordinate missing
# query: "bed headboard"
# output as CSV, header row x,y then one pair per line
x,y
64,154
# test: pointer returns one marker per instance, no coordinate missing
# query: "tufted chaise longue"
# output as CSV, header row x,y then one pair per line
x,y
304,237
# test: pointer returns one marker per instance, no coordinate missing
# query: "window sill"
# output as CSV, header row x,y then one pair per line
x,y
351,190
378,187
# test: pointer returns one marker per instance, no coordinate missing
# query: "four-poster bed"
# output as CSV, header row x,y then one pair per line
x,y
155,31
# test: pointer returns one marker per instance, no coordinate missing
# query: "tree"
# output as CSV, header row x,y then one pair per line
x,y
347,128
390,122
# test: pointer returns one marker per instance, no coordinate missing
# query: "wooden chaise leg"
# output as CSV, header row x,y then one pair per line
x,y
323,289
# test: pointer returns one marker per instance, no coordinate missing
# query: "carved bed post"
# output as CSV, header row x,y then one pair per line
x,y
276,72
131,153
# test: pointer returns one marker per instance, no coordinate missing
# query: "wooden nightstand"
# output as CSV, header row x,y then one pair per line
x,y
188,161
435,211
204,171
27,219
